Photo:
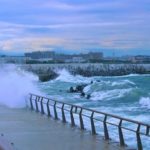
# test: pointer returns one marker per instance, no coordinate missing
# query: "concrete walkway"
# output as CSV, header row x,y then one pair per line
x,y
31,131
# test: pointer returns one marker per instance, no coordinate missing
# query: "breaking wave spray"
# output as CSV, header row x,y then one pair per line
x,y
15,85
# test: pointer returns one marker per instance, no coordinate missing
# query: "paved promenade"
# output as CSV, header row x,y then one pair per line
x,y
27,130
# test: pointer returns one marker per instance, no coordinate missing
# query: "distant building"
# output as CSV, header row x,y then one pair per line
x,y
94,56
130,59
40,55
78,59
13,59
64,58
137,59
142,58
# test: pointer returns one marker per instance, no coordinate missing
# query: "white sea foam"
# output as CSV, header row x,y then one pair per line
x,y
145,102
15,85
97,86
110,94
130,75
141,117
65,76
119,82
87,89
122,82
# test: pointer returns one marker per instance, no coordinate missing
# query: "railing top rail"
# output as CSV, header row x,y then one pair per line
x,y
95,111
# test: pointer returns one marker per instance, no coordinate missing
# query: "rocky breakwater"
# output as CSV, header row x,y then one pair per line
x,y
50,71
44,73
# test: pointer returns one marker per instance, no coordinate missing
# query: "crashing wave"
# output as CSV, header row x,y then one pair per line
x,y
16,84
65,76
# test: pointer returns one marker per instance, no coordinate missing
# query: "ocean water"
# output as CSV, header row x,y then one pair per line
x,y
126,96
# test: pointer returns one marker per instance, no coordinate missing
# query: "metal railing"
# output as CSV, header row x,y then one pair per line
x,y
43,105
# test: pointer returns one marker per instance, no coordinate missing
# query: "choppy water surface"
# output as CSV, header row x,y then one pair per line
x,y
126,96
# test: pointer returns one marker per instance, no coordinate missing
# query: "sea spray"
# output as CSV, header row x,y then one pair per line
x,y
15,85
65,76
145,102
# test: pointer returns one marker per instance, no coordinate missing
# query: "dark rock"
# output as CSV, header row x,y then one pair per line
x,y
47,77
82,94
71,90
88,96
98,80
79,88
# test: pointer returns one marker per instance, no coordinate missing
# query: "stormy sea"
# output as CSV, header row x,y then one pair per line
x,y
126,96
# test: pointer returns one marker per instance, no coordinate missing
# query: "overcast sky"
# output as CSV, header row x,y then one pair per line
x,y
112,26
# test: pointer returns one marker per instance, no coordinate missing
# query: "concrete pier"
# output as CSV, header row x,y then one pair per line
x,y
27,130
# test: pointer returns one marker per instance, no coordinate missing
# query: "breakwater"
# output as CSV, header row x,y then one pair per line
x,y
50,71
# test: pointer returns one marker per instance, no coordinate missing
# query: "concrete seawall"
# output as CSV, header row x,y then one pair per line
x,y
49,71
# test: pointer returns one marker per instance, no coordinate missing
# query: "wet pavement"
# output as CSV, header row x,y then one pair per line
x,y
24,129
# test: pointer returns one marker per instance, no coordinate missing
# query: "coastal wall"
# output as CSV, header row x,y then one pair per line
x,y
49,71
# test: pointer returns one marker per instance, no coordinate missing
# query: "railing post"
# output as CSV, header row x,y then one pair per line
x,y
31,104
147,130
55,111
36,103
121,138
81,120
76,109
92,124
48,109
42,109
71,115
139,143
63,113
106,134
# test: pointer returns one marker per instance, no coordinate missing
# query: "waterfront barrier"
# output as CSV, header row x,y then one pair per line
x,y
50,71
59,110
